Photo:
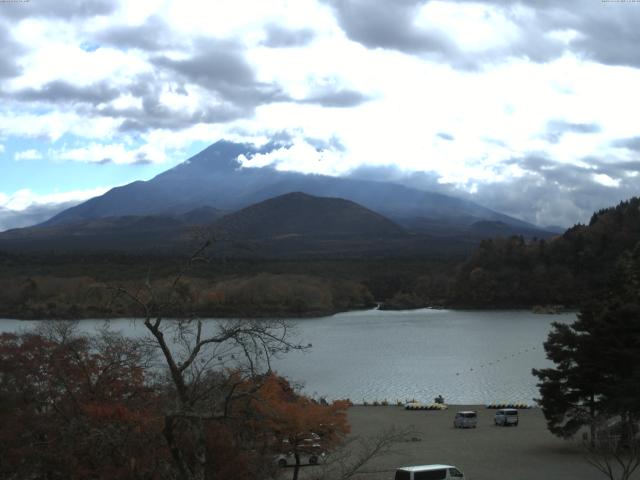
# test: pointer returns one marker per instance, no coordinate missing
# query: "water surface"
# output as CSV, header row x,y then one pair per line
x,y
466,356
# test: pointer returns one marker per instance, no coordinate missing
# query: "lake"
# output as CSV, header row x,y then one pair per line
x,y
469,357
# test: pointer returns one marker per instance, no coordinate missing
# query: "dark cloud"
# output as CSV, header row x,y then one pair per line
x,y
632,143
548,192
279,37
391,25
338,98
32,215
388,24
60,91
220,67
153,114
9,52
153,35
557,128
557,193
607,31
67,9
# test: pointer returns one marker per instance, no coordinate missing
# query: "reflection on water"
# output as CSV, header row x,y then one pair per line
x,y
467,356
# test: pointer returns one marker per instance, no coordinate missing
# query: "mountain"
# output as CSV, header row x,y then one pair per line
x,y
128,232
298,214
294,225
215,178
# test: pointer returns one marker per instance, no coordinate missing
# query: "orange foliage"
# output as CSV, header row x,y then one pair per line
x,y
296,420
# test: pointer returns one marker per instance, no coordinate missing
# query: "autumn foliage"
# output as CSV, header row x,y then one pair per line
x,y
73,407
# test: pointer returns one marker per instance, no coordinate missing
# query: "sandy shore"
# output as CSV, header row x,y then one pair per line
x,y
525,452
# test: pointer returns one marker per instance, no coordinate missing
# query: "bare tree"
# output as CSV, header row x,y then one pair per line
x,y
354,458
198,356
615,450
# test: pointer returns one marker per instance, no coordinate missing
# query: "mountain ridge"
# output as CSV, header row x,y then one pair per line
x,y
215,178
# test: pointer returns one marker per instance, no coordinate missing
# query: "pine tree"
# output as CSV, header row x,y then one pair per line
x,y
597,359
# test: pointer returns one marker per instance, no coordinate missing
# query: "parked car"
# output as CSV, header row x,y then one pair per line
x,y
506,417
429,472
310,454
465,419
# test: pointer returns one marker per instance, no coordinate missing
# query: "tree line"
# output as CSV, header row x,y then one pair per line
x,y
566,270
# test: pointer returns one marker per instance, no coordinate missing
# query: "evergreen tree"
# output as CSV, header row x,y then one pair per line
x,y
597,358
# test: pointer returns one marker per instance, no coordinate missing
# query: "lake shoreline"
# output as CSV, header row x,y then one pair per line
x,y
287,315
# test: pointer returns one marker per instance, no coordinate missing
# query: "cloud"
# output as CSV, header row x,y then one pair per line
x,y
445,136
632,143
551,192
116,153
31,215
25,207
299,154
220,67
545,193
60,91
280,37
557,128
153,35
54,9
539,31
390,25
336,98
1,148
31,154
10,50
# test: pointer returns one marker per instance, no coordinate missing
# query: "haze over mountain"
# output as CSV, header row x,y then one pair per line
x,y
294,224
216,178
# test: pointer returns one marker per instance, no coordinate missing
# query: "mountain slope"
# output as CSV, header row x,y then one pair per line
x,y
128,232
299,214
215,178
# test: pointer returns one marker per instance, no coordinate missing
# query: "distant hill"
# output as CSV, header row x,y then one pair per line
x,y
215,178
572,267
294,225
129,232
298,214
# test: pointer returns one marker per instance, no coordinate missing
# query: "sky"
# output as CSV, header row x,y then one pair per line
x,y
530,108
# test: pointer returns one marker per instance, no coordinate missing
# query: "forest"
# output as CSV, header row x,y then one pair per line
x,y
502,272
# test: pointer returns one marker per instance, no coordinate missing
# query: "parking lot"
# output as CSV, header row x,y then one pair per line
x,y
488,452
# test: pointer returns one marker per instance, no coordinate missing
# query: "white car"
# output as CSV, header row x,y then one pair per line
x,y
506,417
465,419
429,472
306,458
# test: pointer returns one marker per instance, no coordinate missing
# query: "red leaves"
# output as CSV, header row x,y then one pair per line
x,y
296,418
75,408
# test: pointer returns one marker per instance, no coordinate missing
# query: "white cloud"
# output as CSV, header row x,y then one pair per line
x,y
300,156
606,180
110,153
25,198
496,113
30,154
1,148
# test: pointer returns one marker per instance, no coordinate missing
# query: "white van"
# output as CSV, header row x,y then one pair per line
x,y
429,472
465,419
506,417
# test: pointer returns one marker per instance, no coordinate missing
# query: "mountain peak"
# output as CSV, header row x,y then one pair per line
x,y
221,156
301,214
